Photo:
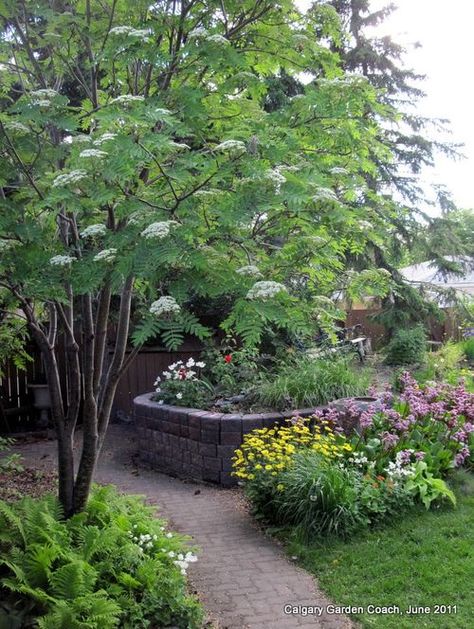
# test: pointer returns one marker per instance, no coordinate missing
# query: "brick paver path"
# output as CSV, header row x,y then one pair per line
x,y
243,577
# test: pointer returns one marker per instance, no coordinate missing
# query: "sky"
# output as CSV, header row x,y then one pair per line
x,y
444,30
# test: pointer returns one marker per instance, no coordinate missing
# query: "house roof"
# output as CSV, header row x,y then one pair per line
x,y
428,273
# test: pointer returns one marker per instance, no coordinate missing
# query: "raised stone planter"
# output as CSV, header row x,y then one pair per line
x,y
199,445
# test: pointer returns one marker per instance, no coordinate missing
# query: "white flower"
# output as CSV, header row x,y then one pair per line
x,y
191,362
106,255
67,178
198,32
250,270
179,396
18,127
41,102
44,93
93,153
265,290
180,146
275,176
105,137
120,30
158,230
61,260
126,99
160,402
218,39
94,230
158,390
324,194
338,171
79,139
231,145
130,32
157,381
169,535
164,305
167,374
200,365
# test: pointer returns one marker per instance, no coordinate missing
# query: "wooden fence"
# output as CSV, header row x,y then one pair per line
x,y
17,413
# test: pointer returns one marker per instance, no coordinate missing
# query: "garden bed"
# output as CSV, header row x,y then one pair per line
x,y
196,444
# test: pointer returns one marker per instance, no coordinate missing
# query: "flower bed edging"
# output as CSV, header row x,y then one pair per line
x,y
199,445
195,444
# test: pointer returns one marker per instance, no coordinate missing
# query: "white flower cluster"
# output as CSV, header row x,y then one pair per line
x,y
61,260
93,153
398,470
231,145
324,194
106,255
358,459
183,561
180,146
44,93
158,230
105,137
77,139
197,33
144,540
250,270
142,34
126,99
41,102
67,178
337,170
17,127
218,39
164,305
181,371
275,177
265,290
94,230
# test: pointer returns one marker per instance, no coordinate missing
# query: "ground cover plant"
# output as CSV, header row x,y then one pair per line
x,y
313,477
425,558
113,565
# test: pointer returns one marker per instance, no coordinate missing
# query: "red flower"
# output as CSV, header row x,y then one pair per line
x,y
228,358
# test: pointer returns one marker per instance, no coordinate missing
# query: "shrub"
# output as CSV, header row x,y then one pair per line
x,y
111,565
306,382
468,348
445,365
407,347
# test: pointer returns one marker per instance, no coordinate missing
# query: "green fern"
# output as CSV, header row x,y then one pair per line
x,y
73,579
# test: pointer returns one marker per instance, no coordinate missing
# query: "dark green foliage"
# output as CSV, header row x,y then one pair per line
x,y
468,347
407,347
89,572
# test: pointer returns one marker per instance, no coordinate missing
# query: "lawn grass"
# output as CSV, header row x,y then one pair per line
x,y
424,559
